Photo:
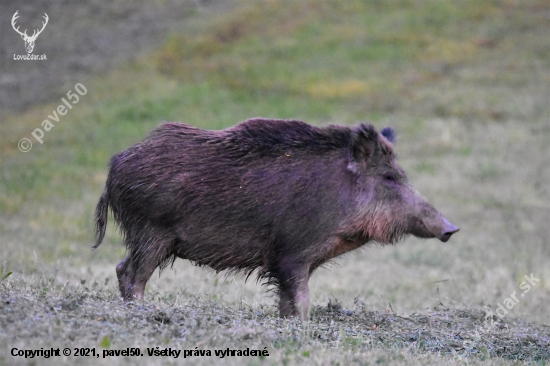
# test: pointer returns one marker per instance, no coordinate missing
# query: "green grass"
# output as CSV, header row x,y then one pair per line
x,y
465,84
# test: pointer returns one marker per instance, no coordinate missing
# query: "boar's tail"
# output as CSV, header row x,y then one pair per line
x,y
101,211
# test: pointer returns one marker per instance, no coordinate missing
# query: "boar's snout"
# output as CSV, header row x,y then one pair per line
x,y
440,227
427,221
448,230
430,223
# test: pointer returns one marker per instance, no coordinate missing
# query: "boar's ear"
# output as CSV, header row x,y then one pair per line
x,y
389,134
364,143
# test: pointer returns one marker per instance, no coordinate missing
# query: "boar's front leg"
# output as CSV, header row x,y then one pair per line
x,y
293,290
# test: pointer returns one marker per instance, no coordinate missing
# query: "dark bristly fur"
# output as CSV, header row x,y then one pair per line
x,y
278,196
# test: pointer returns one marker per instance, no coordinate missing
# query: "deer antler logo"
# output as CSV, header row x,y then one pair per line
x,y
29,41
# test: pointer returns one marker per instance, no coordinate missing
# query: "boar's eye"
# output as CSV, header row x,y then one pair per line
x,y
390,177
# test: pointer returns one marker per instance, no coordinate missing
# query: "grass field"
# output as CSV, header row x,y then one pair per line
x,y
466,85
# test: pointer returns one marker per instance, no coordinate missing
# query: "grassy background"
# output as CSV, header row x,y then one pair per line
x,y
466,85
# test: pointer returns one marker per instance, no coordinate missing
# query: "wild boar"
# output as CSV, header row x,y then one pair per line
x,y
278,196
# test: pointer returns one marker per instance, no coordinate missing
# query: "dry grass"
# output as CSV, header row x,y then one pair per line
x,y
86,315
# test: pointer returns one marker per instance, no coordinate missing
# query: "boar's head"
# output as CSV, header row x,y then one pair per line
x,y
387,206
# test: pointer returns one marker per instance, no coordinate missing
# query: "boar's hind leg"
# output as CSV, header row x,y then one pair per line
x,y
134,271
123,281
293,291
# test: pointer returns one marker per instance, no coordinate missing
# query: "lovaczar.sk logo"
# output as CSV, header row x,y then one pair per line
x,y
29,40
